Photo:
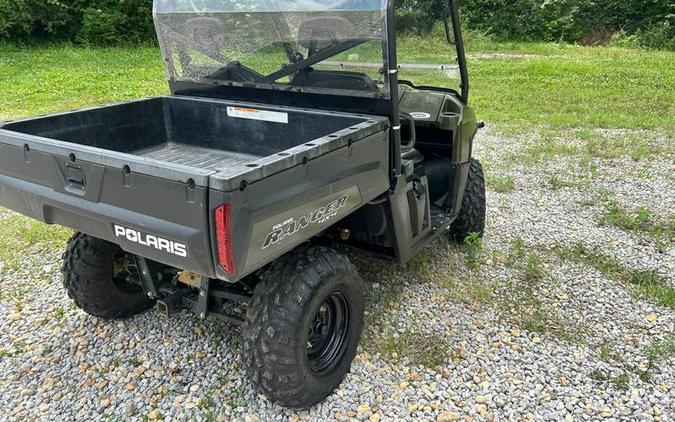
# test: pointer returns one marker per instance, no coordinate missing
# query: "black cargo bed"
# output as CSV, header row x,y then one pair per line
x,y
183,138
194,156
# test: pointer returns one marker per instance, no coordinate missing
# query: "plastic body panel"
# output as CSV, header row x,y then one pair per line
x,y
284,207
163,210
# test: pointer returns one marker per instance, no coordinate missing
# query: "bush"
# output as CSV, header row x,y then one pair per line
x,y
84,21
115,22
552,20
644,23
100,27
658,36
419,16
15,19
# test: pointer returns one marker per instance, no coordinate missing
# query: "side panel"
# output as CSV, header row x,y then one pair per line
x,y
160,219
276,214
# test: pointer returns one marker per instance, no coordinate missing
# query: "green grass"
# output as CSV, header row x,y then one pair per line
x,y
420,349
17,234
534,269
45,79
640,220
501,184
546,149
207,402
646,284
552,85
135,362
657,353
473,244
617,216
556,182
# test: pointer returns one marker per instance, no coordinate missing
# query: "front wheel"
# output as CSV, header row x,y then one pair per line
x,y
471,217
303,326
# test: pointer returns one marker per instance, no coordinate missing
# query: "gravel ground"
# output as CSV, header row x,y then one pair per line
x,y
587,359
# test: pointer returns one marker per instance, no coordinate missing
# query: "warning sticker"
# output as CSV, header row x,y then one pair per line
x,y
255,114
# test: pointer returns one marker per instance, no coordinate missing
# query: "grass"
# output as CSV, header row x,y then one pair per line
x,y
420,349
501,184
533,267
646,284
557,183
61,77
520,301
18,233
59,312
544,150
552,85
619,217
620,382
134,362
656,353
474,249
206,402
635,145
586,145
641,220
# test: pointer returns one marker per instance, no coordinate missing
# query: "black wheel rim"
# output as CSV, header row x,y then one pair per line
x,y
125,275
327,337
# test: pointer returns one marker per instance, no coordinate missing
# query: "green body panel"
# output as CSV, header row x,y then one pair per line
x,y
465,134
444,111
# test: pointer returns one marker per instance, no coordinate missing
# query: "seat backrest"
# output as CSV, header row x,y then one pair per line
x,y
321,32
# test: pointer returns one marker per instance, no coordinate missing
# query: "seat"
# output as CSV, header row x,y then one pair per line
x,y
318,33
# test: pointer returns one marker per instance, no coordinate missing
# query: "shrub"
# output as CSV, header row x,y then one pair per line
x,y
115,22
85,21
643,23
419,16
15,19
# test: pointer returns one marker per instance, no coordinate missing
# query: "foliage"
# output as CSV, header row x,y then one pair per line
x,y
101,22
635,23
646,23
419,16
642,23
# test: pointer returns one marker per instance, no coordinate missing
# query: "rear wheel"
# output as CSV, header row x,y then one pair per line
x,y
471,217
102,279
303,326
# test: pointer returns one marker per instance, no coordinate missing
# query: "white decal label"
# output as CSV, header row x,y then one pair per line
x,y
293,225
254,114
420,116
151,241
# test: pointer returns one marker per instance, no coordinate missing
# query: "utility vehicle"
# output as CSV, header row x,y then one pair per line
x,y
293,131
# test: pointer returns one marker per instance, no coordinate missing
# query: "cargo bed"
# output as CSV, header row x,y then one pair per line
x,y
201,136
159,167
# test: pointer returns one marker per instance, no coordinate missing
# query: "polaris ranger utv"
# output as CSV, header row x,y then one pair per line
x,y
291,132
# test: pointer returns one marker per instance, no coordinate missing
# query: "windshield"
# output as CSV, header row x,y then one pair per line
x,y
325,46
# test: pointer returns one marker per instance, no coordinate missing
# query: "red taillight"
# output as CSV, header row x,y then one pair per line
x,y
224,238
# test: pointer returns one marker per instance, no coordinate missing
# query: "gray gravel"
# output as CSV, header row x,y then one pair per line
x,y
60,364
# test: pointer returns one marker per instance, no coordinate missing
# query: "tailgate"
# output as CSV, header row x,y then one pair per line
x,y
154,211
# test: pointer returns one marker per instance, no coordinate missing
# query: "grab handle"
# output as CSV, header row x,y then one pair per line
x,y
413,135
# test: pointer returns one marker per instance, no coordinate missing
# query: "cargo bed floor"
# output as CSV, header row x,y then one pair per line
x,y
194,156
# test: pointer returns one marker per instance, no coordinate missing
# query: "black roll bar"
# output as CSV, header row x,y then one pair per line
x,y
459,46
